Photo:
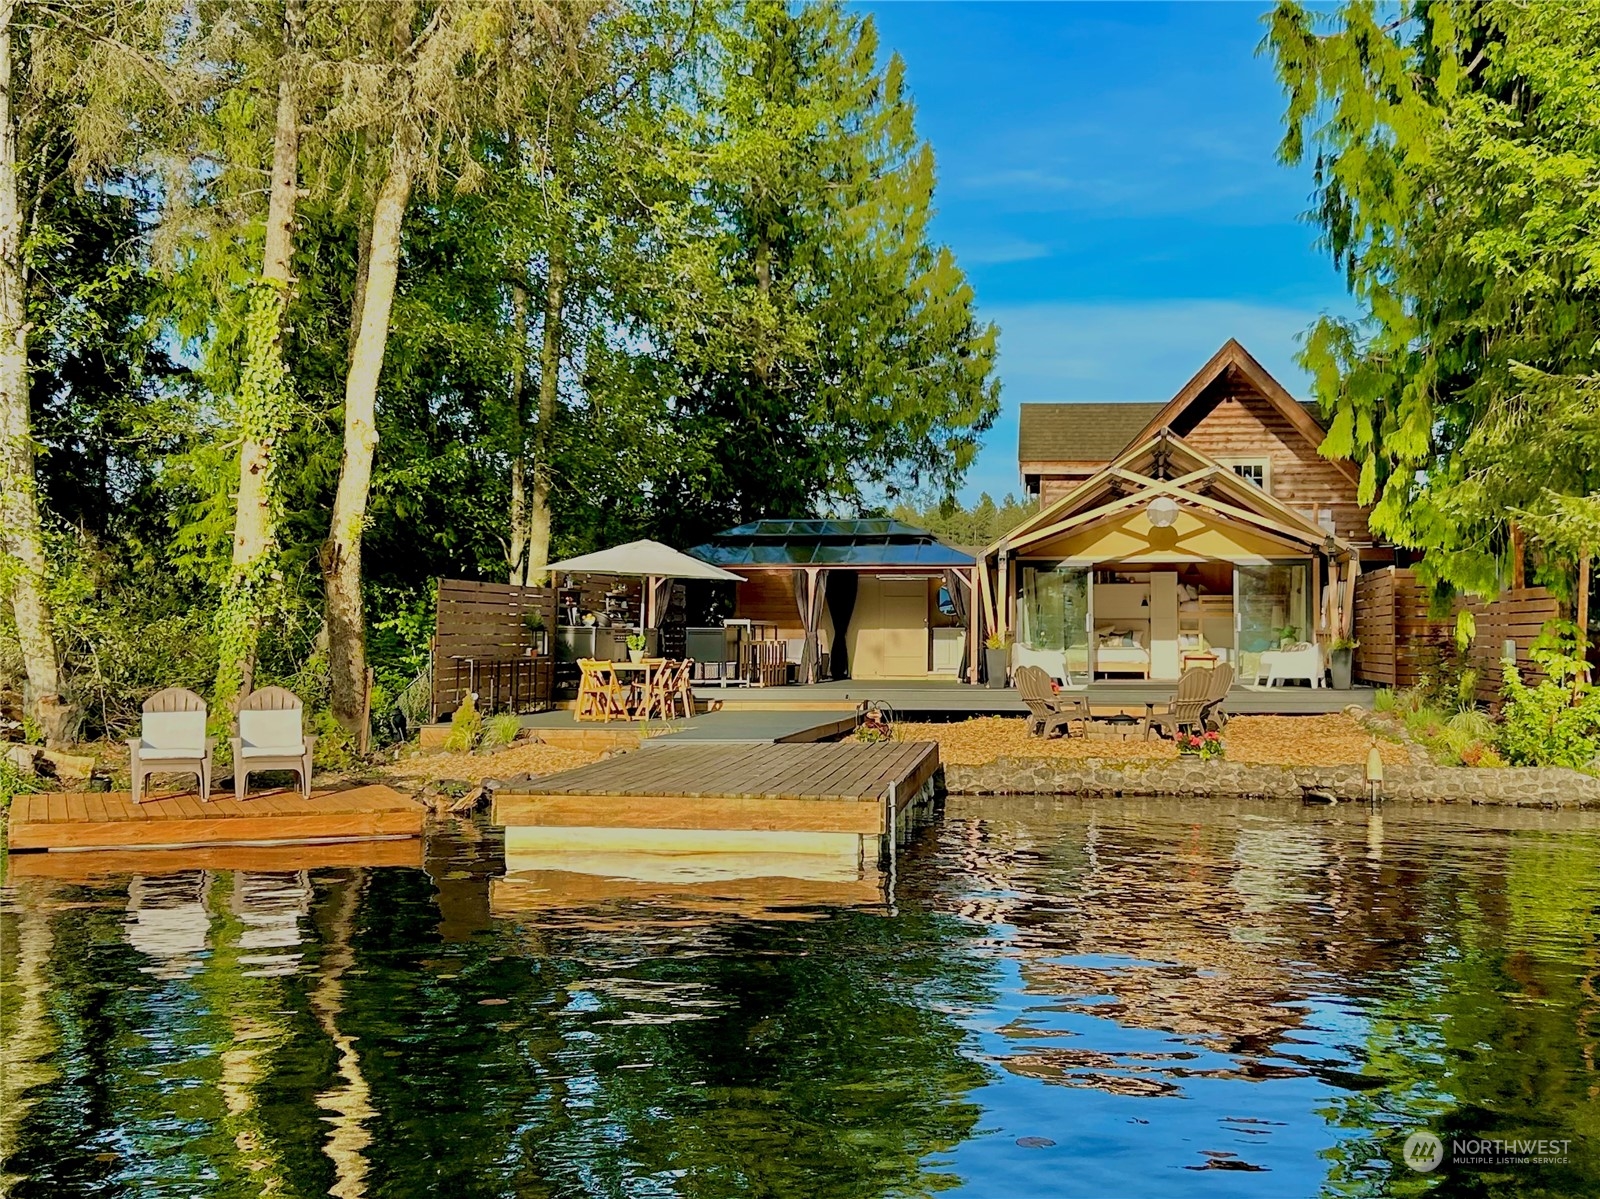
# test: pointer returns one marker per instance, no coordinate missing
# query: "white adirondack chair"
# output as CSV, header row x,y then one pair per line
x,y
271,737
172,740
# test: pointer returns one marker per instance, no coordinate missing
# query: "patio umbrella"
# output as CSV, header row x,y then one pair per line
x,y
648,560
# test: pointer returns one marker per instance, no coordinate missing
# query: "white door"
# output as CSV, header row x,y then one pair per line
x,y
903,617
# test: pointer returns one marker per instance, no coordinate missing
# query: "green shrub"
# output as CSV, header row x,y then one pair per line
x,y
466,725
1542,726
1474,722
500,731
335,749
1556,721
16,781
1384,700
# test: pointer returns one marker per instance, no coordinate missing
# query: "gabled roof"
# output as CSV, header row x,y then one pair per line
x,y
1165,464
1095,432
1098,432
1233,356
843,543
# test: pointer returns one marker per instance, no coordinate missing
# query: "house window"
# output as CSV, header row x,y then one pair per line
x,y
1253,470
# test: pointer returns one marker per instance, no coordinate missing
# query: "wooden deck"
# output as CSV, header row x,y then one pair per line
x,y
114,821
693,798
91,864
922,700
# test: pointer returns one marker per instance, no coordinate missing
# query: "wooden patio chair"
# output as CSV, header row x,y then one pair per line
x,y
600,696
656,693
1185,710
685,696
1216,713
1048,711
172,739
272,736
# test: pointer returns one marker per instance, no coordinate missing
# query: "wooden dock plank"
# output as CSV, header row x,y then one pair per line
x,y
798,787
113,821
687,812
87,864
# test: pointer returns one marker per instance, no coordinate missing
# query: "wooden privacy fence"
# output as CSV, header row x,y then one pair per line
x,y
1401,640
482,642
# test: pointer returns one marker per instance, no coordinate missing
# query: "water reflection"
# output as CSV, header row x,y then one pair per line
x,y
1066,997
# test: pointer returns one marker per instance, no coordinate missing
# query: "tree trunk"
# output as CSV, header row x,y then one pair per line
x,y
347,649
549,393
21,532
517,548
263,399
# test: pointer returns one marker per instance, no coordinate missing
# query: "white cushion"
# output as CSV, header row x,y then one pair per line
x,y
173,734
271,732
272,751
167,753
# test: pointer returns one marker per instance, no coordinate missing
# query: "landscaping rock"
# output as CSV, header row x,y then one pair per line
x,y
69,766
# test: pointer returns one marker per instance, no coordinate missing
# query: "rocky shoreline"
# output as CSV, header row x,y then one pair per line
x,y
1512,786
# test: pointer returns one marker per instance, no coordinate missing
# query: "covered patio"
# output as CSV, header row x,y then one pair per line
x,y
1164,561
854,598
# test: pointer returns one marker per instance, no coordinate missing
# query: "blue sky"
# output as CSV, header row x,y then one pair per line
x,y
1108,179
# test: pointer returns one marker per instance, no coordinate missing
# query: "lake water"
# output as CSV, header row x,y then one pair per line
x,y
1064,998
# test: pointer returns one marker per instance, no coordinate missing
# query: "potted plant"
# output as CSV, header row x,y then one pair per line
x,y
997,657
1206,746
636,644
1341,661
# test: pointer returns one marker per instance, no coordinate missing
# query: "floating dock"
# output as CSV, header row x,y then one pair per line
x,y
114,821
838,800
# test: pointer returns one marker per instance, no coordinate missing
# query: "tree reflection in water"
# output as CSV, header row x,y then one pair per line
x,y
1067,997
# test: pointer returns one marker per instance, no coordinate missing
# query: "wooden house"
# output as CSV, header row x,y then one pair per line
x,y
1205,528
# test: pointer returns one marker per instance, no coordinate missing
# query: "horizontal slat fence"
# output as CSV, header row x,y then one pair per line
x,y
1375,628
1400,637
1518,616
481,641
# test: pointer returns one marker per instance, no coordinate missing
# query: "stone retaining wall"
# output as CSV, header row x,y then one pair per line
x,y
1515,786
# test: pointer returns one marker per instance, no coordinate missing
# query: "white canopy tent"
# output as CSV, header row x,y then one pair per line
x,y
649,560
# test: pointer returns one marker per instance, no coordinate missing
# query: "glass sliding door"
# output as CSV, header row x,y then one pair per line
x,y
1053,619
1271,605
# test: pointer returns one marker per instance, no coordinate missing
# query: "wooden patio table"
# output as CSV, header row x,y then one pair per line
x,y
646,668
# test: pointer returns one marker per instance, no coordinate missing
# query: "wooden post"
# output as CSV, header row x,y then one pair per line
x,y
1352,570
1583,617
364,732
1002,598
1519,578
974,622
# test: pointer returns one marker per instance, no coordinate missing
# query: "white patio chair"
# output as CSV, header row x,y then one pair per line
x,y
1301,661
172,740
271,737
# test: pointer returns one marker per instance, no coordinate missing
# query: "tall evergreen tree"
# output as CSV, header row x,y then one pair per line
x,y
1456,149
829,349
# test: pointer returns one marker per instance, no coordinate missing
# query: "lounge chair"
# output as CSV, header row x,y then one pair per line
x,y
1048,711
172,739
1186,710
271,736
